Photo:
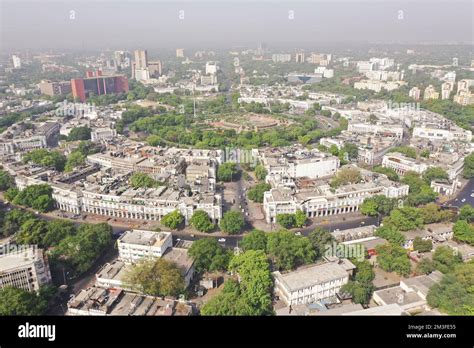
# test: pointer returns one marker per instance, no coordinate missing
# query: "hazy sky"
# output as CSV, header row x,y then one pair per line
x,y
44,24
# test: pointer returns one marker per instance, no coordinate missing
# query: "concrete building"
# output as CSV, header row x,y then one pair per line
x,y
180,53
415,93
24,268
299,57
99,134
55,88
312,283
430,93
402,164
135,245
281,57
112,301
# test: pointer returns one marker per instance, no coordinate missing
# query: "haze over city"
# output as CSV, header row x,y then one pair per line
x,y
158,24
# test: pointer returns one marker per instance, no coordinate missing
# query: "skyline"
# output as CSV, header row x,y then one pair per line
x,y
166,24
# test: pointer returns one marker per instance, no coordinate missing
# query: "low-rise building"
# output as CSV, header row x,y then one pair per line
x,y
311,283
135,245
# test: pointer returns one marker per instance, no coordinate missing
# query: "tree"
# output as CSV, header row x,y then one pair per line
x,y
435,173
46,158
79,133
255,240
201,221
138,180
57,230
6,181
38,197
286,220
369,207
173,220
425,196
405,218
389,172
32,231
74,160
422,245
232,222
288,250
391,234
346,176
413,180
256,193
454,295
156,277
15,301
432,213
260,172
11,193
393,258
227,171
379,204
360,286
405,150
468,170
255,278
319,240
445,258
13,220
464,232
466,213
208,255
425,266
300,218
81,250
351,150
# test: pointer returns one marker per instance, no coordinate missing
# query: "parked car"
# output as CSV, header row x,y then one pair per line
x,y
221,240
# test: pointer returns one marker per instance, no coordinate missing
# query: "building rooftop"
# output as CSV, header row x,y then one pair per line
x,y
142,237
311,275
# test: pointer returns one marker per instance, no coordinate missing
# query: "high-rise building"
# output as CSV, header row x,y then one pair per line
x,y
55,88
455,61
154,68
299,58
211,68
16,61
141,59
430,93
446,89
415,93
98,84
180,53
25,269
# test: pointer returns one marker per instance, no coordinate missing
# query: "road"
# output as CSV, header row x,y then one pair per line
x,y
464,194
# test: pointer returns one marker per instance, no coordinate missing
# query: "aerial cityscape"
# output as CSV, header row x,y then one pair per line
x,y
189,171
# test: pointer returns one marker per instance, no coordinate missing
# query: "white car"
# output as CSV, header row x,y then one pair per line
x,y
221,240
298,234
463,200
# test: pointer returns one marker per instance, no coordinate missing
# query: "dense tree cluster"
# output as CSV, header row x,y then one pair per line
x,y
173,220
209,255
256,192
201,221
227,171
38,197
251,295
288,251
79,133
360,285
155,277
232,222
46,158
